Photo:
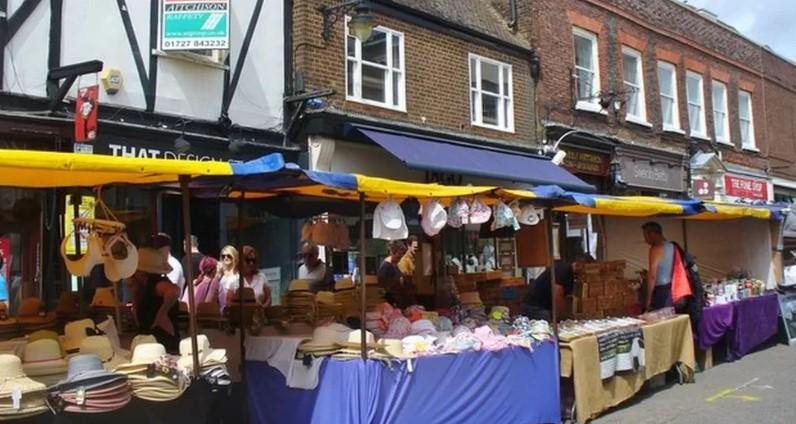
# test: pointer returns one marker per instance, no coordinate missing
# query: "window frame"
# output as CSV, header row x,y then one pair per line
x,y
751,143
389,68
476,110
726,127
674,96
638,119
593,104
704,133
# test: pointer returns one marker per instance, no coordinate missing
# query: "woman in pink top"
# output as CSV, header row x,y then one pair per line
x,y
205,286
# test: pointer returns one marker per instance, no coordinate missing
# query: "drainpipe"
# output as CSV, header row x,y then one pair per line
x,y
513,8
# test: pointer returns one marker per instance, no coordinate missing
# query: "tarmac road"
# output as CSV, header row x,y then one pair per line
x,y
760,389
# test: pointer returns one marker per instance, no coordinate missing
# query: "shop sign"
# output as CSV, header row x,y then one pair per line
x,y
86,113
654,175
195,25
444,178
586,162
704,189
746,187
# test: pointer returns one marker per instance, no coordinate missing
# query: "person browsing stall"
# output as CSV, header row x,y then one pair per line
x,y
162,242
155,298
228,273
205,285
399,288
538,303
313,268
661,265
252,277
193,257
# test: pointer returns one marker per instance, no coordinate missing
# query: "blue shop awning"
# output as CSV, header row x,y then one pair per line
x,y
456,158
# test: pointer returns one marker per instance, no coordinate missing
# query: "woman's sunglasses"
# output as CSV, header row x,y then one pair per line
x,y
225,256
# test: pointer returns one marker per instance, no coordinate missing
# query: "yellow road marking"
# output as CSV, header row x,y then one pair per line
x,y
720,395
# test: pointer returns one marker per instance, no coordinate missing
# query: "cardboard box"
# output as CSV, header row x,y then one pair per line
x,y
593,268
588,306
596,290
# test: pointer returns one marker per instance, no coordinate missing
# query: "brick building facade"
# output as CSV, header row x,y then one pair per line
x,y
684,53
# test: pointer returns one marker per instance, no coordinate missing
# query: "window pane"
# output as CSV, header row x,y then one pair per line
x,y
667,109
665,81
396,88
692,85
396,51
583,53
745,132
352,67
585,83
373,81
489,109
633,104
351,46
473,107
743,107
490,78
630,64
718,123
695,118
473,73
506,81
375,49
506,112
719,94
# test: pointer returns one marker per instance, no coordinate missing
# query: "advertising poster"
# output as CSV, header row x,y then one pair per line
x,y
195,25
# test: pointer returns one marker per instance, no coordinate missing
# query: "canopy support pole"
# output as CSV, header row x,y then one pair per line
x,y
186,230
551,263
685,235
241,284
362,287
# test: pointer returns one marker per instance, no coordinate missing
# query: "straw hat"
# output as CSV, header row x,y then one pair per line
x,y
207,355
143,355
394,348
355,340
75,332
141,339
299,285
325,297
87,372
102,347
324,339
12,377
44,358
43,334
344,284
120,258
9,321
105,297
68,304
82,266
153,261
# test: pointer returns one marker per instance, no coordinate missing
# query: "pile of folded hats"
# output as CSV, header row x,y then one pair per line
x,y
326,340
90,388
300,301
212,362
250,306
44,360
326,309
20,397
351,347
345,295
153,374
9,327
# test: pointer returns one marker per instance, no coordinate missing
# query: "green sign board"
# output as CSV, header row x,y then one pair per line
x,y
195,25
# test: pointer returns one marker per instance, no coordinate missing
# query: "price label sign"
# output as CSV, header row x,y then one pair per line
x,y
195,25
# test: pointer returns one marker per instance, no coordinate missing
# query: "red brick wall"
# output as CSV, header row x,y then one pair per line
x,y
660,30
437,75
780,114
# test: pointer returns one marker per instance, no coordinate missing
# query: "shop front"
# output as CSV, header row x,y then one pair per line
x,y
715,180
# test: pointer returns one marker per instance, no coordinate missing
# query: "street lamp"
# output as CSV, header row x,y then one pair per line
x,y
360,25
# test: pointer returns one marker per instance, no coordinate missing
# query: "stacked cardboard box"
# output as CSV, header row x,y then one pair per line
x,y
601,290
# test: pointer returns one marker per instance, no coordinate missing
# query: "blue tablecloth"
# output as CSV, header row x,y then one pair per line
x,y
510,386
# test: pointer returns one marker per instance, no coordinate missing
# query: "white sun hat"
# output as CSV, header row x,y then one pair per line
x,y
92,257
120,257
389,222
530,215
434,217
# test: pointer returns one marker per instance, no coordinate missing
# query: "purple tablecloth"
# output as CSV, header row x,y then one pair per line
x,y
716,322
747,323
509,386
756,320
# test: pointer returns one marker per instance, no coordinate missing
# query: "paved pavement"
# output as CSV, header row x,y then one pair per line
x,y
760,389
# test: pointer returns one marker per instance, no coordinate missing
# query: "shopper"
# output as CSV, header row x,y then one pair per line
x,y
253,278
155,298
193,257
314,269
661,264
400,290
205,285
162,242
538,303
228,272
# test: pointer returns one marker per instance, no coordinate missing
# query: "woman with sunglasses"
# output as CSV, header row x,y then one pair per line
x,y
253,278
228,270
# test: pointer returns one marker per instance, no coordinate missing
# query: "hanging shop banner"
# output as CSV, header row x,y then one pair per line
x,y
195,25
747,188
86,113
586,162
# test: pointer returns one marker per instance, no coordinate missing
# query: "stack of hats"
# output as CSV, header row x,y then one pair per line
x,y
44,361
68,307
31,315
8,325
326,309
300,301
250,306
89,388
276,314
209,314
102,347
350,348
75,332
20,397
153,374
326,340
212,362
345,295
